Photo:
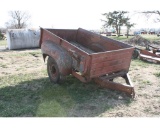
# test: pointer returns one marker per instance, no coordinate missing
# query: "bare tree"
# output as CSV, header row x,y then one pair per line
x,y
148,14
19,19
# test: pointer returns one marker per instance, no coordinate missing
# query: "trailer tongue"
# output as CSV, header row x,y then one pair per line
x,y
107,82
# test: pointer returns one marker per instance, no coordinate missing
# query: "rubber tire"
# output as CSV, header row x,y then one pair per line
x,y
135,54
53,70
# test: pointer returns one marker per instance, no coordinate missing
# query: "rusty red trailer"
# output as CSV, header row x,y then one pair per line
x,y
87,56
150,54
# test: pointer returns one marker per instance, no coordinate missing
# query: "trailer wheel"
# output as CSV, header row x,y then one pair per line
x,y
135,54
53,70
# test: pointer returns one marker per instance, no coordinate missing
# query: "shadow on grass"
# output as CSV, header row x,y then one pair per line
x,y
40,98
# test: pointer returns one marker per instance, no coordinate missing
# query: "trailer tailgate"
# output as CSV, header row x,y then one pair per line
x,y
110,62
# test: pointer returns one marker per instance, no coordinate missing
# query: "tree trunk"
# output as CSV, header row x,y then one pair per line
x,y
127,32
128,28
119,31
19,24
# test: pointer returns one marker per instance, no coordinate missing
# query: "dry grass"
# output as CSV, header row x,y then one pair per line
x,y
151,37
147,87
25,90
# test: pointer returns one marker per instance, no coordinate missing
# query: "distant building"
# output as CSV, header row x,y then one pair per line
x,y
137,32
152,31
143,32
108,33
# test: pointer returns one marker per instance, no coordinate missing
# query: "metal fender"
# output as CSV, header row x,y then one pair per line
x,y
61,56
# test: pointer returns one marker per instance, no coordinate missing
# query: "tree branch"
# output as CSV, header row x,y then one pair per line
x,y
19,19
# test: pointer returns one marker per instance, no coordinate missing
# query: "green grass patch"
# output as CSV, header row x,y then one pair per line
x,y
3,65
146,82
138,62
3,42
121,38
144,64
157,74
33,95
19,95
151,37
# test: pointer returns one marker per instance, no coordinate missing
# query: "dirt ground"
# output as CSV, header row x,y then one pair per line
x,y
144,75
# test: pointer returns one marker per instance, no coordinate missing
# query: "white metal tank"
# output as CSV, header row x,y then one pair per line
x,y
23,38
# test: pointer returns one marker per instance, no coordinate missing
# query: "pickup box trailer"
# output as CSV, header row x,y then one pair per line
x,y
87,56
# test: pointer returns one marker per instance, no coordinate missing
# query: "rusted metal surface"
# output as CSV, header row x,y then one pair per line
x,y
97,42
155,50
113,61
69,48
106,83
87,55
62,58
150,58
80,77
149,53
153,55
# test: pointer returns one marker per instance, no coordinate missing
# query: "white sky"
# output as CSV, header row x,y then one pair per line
x,y
72,14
